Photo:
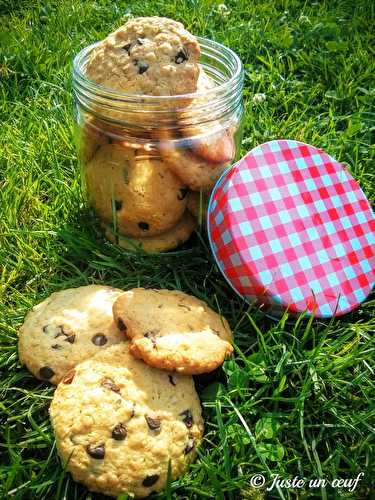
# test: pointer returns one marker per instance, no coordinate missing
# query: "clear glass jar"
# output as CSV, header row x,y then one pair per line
x,y
149,162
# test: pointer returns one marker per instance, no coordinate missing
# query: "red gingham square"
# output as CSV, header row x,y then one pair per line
x,y
293,230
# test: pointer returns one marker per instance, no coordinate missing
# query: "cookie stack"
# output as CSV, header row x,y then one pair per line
x,y
135,194
125,410
146,180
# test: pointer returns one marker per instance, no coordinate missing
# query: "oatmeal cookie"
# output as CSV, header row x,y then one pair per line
x,y
118,423
171,330
136,191
170,239
148,55
194,171
66,328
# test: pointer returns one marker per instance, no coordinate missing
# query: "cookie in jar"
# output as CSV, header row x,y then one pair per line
x,y
158,114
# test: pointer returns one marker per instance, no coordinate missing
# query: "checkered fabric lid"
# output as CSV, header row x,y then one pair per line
x,y
291,229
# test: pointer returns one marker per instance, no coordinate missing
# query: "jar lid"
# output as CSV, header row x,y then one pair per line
x,y
291,229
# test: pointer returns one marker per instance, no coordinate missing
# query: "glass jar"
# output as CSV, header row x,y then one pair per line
x,y
149,162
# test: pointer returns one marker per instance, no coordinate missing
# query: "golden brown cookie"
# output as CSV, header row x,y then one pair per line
x,y
195,172
211,142
118,423
174,331
148,55
136,192
66,328
169,240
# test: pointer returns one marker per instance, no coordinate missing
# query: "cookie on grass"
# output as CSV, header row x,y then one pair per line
x,y
66,328
118,423
172,330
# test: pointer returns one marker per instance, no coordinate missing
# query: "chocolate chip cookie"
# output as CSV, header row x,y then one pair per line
x,y
211,140
172,330
163,242
194,171
148,55
137,193
118,423
66,328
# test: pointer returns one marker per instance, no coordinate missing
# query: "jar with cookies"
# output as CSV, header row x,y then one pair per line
x,y
158,113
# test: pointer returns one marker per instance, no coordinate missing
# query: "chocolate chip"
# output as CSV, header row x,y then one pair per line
x,y
96,451
56,346
171,380
151,334
119,432
118,205
181,57
59,331
150,480
127,47
108,383
68,379
142,67
46,373
144,226
99,339
153,423
70,339
182,194
189,446
188,418
132,414
121,325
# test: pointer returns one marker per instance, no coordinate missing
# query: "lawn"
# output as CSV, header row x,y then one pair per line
x,y
297,397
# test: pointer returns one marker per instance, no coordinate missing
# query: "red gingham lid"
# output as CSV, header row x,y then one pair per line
x,y
291,229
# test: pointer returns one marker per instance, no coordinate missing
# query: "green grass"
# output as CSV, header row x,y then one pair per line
x,y
297,398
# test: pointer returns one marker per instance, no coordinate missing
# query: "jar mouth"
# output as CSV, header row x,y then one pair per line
x,y
138,111
210,50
